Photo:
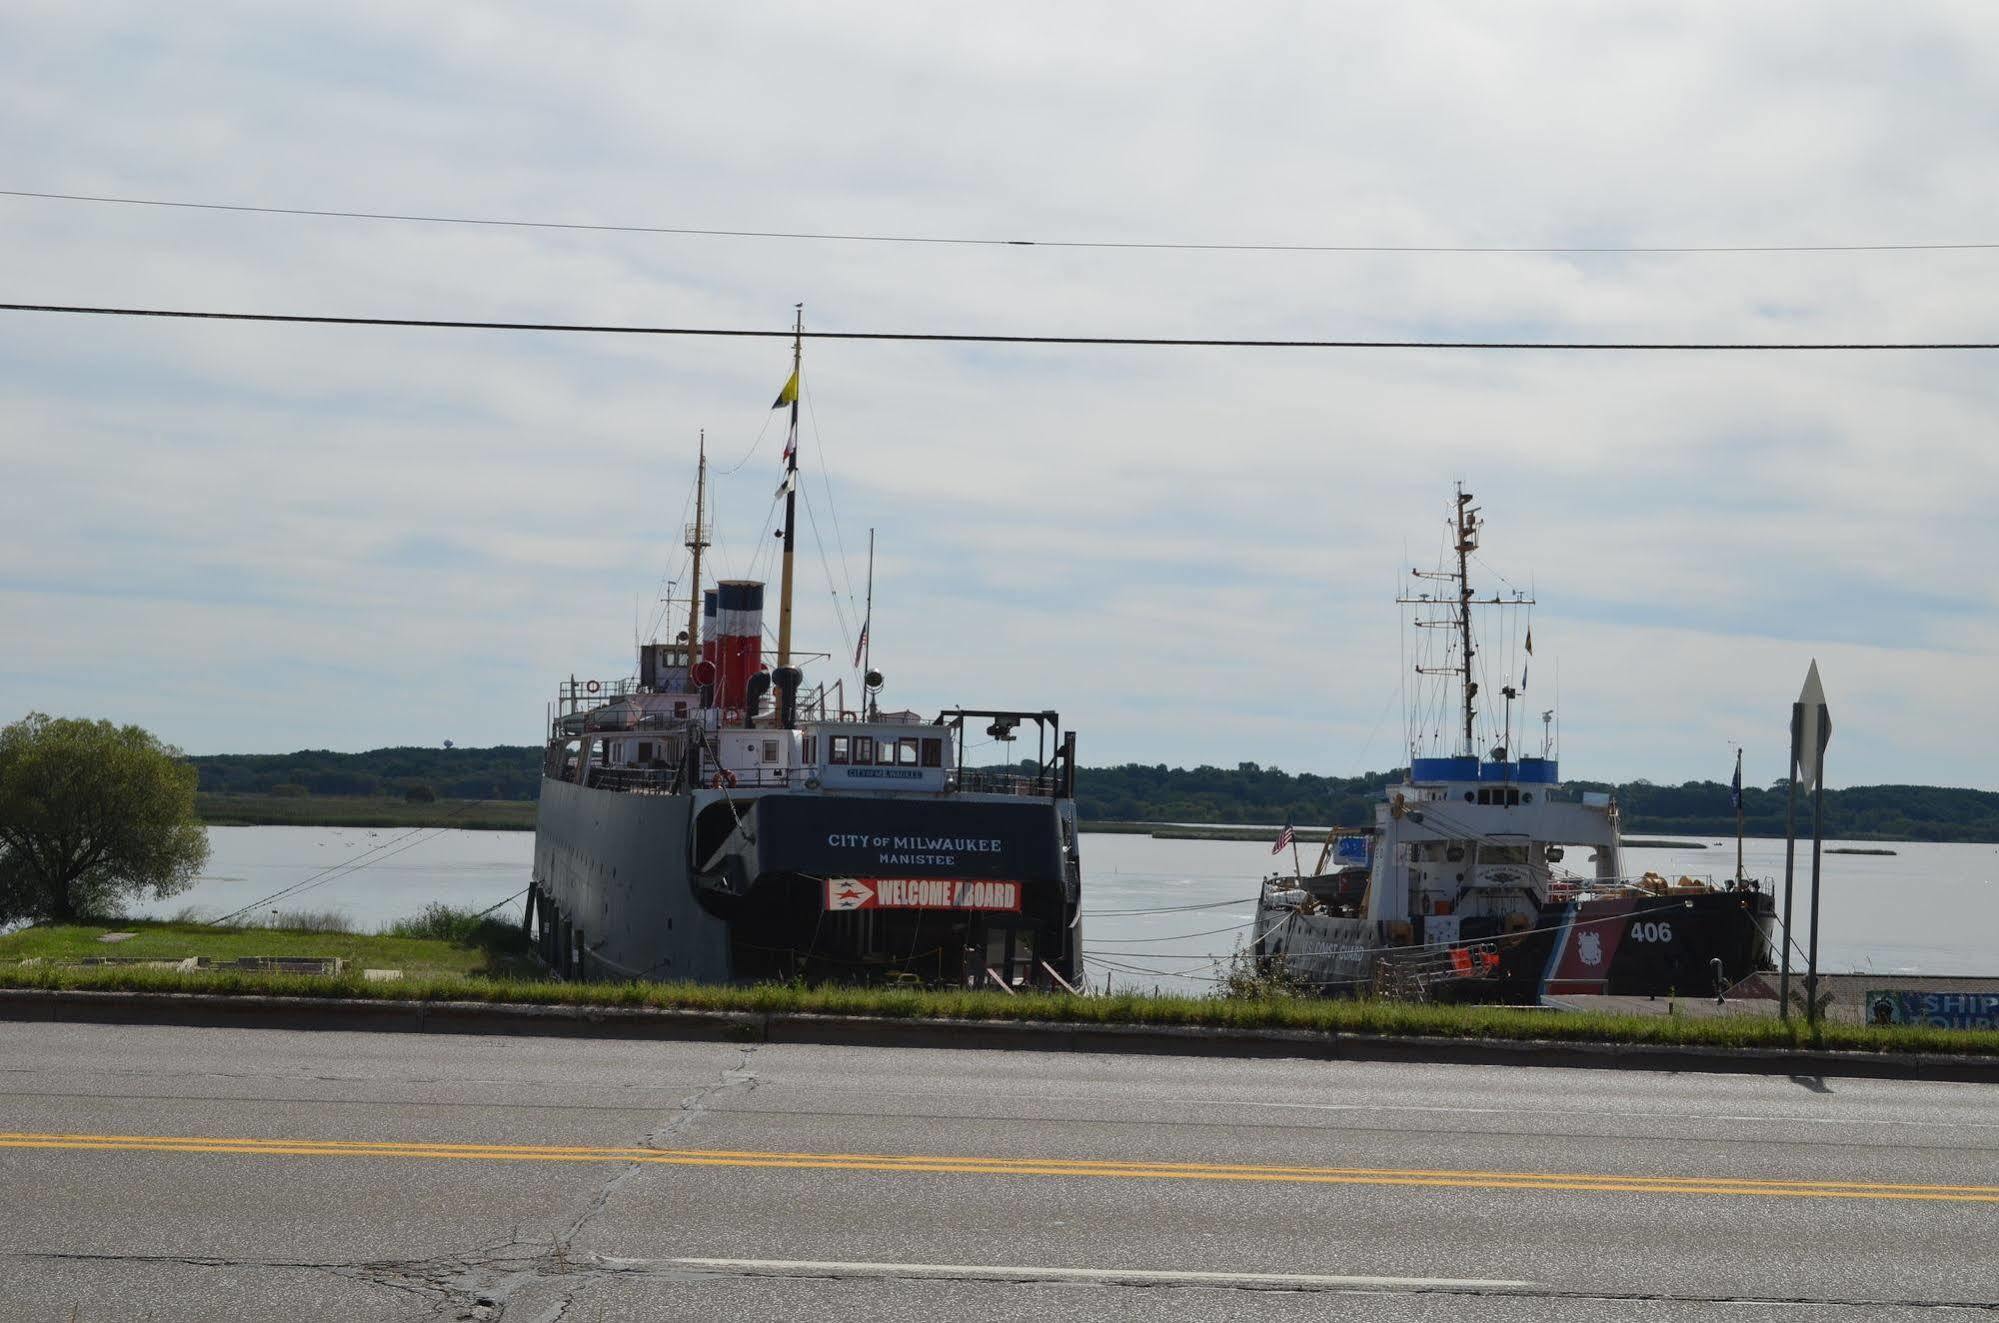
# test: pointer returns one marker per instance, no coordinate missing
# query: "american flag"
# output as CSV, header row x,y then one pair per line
x,y
1284,838
861,643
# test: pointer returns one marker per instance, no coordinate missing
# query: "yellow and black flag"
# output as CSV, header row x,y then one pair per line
x,y
789,395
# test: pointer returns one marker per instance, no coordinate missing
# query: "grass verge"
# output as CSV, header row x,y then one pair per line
x,y
1381,1018
440,944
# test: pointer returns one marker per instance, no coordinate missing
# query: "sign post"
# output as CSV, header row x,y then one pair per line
x,y
1790,861
1811,723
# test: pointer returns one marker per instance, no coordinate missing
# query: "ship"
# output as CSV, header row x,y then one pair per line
x,y
715,818
1482,877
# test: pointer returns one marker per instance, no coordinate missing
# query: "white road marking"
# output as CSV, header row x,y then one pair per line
x,y
1132,1276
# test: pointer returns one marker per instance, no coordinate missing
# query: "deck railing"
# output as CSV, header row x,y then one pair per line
x,y
973,781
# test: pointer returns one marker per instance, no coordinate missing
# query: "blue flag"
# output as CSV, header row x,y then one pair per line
x,y
1735,791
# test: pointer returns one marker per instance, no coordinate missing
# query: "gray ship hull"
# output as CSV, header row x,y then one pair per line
x,y
617,893
614,870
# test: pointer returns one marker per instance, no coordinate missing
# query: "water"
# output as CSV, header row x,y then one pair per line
x,y
1926,909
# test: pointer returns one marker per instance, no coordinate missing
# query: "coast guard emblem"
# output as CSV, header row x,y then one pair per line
x,y
1589,946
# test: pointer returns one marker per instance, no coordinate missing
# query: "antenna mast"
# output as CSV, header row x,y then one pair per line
x,y
1465,526
790,493
697,538
1467,541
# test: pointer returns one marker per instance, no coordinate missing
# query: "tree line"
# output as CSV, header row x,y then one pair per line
x,y
1139,792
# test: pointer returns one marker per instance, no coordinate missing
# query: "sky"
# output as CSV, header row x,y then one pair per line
x,y
260,538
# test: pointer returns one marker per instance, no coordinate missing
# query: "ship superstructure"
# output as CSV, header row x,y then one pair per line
x,y
716,818
1481,872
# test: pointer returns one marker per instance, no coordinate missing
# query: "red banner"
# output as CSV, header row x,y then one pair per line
x,y
921,893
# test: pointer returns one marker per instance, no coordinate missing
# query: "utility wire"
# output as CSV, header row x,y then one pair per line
x,y
968,241
933,337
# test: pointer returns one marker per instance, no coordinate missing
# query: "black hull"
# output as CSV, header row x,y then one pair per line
x,y
1633,946
1646,946
715,889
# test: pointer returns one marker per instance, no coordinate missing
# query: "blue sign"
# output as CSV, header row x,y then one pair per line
x,y
1350,850
1939,1010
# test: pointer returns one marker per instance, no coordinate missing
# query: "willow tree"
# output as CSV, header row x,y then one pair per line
x,y
91,814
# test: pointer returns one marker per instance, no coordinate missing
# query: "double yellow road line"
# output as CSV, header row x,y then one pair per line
x,y
916,1164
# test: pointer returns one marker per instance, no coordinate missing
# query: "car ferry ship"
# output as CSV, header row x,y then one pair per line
x,y
1468,882
716,818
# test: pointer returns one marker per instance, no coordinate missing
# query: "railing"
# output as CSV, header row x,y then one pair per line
x,y
970,781
637,780
1654,884
660,781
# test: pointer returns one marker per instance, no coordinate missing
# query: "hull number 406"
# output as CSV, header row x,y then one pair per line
x,y
1651,932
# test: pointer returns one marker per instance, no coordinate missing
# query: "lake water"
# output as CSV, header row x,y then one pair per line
x,y
1157,913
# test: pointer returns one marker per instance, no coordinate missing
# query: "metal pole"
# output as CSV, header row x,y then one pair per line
x,y
790,497
1818,837
695,543
1790,857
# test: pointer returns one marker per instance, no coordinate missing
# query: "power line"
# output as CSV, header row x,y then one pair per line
x,y
967,241
1171,342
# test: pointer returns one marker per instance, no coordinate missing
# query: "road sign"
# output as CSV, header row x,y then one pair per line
x,y
921,893
1814,729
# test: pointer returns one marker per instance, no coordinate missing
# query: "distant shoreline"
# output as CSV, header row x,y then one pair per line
x,y
219,810
227,810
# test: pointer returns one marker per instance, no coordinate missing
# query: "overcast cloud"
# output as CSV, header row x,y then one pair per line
x,y
261,538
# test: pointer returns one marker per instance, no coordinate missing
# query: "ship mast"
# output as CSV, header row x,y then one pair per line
x,y
790,493
1467,540
1465,526
697,538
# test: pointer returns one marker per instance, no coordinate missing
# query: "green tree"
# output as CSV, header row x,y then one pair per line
x,y
90,813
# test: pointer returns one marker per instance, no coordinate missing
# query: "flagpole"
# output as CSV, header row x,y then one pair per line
x,y
1738,813
1297,869
790,493
868,619
695,543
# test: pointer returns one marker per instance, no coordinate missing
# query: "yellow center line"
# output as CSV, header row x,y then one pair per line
x,y
920,1164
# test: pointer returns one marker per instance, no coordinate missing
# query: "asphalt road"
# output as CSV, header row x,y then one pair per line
x,y
208,1173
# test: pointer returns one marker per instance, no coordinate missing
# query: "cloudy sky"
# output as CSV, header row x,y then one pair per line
x,y
257,538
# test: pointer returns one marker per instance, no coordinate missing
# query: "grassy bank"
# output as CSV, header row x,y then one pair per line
x,y
363,811
1475,1022
453,950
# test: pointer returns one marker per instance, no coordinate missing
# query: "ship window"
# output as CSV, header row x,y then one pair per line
x,y
864,750
1468,796
836,749
1527,798
645,751
770,751
905,751
811,751
933,753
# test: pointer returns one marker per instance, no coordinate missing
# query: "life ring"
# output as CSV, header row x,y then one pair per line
x,y
731,715
724,777
848,716
591,686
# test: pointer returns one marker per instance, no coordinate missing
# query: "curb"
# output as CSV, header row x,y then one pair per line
x,y
366,1015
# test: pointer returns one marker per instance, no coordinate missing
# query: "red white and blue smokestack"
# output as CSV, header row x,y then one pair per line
x,y
737,629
